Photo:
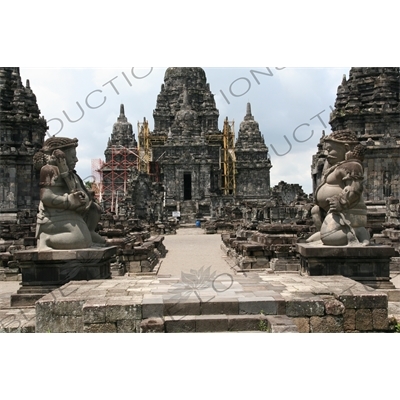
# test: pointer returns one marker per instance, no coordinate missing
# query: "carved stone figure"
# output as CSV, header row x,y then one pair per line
x,y
68,214
340,213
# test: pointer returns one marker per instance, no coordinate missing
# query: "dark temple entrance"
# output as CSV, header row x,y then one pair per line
x,y
187,187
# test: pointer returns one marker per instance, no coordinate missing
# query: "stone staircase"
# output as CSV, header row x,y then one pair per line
x,y
188,212
217,315
229,323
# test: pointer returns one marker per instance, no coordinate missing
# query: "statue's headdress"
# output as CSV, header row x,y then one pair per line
x,y
342,137
357,151
55,143
42,157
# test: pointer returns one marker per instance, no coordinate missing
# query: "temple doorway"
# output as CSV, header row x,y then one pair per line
x,y
187,186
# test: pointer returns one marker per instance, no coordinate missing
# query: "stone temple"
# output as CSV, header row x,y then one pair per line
x,y
22,132
190,165
198,164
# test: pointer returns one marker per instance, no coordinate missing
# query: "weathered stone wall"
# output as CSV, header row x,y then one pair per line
x,y
382,169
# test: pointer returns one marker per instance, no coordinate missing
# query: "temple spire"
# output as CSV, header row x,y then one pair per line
x,y
122,117
248,113
248,116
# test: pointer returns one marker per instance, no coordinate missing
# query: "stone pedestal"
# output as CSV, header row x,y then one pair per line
x,y
44,271
368,265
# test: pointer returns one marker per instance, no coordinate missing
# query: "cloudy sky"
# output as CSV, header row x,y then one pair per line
x,y
292,106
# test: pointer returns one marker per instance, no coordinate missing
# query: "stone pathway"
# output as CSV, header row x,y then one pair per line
x,y
190,249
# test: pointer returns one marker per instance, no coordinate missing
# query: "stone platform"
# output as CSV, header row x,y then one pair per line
x,y
206,302
369,265
44,271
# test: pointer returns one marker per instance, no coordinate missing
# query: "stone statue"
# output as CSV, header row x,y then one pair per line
x,y
340,213
68,214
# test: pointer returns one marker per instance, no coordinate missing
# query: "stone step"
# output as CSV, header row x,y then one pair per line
x,y
229,323
216,306
187,225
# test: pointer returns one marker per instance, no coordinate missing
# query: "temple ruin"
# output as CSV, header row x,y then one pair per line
x,y
189,169
22,132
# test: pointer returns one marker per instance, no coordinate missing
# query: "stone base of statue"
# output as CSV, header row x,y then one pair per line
x,y
368,265
44,271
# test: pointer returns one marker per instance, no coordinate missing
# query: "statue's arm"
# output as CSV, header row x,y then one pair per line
x,y
352,177
49,198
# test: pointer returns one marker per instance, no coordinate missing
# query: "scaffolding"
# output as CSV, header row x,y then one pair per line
x,y
144,146
95,183
228,159
115,175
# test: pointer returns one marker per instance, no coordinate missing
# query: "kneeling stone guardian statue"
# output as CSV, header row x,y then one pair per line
x,y
68,214
340,213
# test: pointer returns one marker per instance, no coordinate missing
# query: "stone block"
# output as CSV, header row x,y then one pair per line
x,y
128,326
69,307
180,324
94,311
326,324
68,324
152,325
119,310
48,322
380,319
133,266
44,314
281,306
305,308
100,328
364,320
220,306
303,324
348,300
349,320
372,300
180,307
243,323
257,305
393,295
152,307
281,324
361,300
212,323
357,262
334,307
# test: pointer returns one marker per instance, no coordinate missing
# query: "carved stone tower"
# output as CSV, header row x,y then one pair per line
x,y
22,132
188,150
198,97
252,161
121,158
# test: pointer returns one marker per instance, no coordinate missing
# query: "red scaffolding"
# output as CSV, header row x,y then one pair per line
x,y
115,175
